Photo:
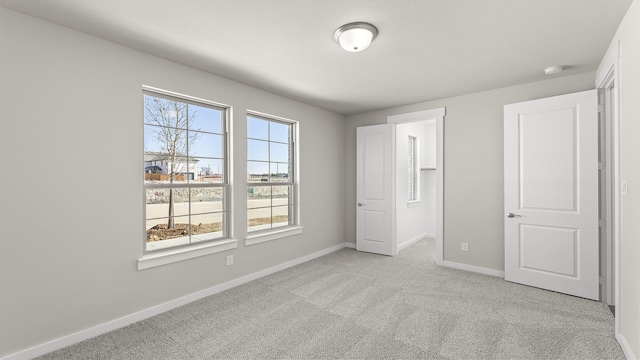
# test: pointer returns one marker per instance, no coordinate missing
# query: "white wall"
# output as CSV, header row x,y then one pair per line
x,y
628,36
473,165
429,148
70,241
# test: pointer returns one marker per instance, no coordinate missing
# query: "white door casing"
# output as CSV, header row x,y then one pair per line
x,y
375,174
551,192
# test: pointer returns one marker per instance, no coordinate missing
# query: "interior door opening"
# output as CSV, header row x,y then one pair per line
x,y
430,175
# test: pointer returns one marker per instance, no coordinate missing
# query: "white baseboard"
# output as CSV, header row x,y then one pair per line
x,y
414,240
350,245
472,268
79,336
626,349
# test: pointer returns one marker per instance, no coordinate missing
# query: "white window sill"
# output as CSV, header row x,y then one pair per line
x,y
272,234
167,257
414,203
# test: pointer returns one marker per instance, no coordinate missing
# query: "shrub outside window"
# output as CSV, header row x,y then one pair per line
x,y
270,173
185,171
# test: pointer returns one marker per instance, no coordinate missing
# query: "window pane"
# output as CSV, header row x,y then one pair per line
x,y
281,195
158,202
179,171
280,172
411,161
257,171
205,145
279,152
155,168
160,236
280,216
257,128
207,200
205,119
207,226
165,112
257,150
279,132
259,219
151,141
258,196
165,140
209,170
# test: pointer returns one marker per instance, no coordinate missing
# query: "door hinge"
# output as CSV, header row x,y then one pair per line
x,y
600,108
601,165
602,280
601,223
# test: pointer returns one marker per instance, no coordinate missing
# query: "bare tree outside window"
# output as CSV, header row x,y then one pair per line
x,y
171,138
185,176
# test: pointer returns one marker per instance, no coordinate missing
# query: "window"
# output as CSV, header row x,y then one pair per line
x,y
185,171
413,168
270,173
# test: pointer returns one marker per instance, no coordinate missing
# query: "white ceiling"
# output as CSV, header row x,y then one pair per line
x,y
426,49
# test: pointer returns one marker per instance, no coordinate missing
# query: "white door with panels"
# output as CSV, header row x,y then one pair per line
x,y
551,193
375,217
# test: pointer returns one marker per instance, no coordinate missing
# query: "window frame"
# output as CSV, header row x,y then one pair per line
x,y
294,227
161,256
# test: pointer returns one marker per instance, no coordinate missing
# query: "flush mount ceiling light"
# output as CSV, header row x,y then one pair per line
x,y
356,36
551,70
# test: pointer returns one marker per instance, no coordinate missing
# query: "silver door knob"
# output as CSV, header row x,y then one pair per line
x,y
360,204
512,215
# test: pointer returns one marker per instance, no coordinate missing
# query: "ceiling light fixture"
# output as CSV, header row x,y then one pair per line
x,y
551,70
356,36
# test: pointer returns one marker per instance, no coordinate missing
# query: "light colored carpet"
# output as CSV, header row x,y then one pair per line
x,y
351,305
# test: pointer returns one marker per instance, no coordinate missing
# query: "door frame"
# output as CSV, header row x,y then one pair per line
x,y
436,114
608,85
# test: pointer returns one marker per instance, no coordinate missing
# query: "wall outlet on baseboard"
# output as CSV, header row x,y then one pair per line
x,y
229,260
464,246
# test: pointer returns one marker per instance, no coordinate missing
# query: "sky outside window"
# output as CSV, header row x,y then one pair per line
x,y
206,124
268,146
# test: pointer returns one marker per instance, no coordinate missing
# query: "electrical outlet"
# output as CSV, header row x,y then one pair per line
x,y
229,260
464,246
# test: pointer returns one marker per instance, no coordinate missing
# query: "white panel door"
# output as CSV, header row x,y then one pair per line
x,y
551,193
375,216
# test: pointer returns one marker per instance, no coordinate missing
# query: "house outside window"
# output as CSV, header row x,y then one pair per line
x,y
185,171
271,178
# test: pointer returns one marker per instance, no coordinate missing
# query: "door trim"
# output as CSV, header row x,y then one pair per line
x,y
436,114
608,80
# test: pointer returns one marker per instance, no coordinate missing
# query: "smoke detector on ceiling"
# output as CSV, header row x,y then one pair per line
x,y
552,70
